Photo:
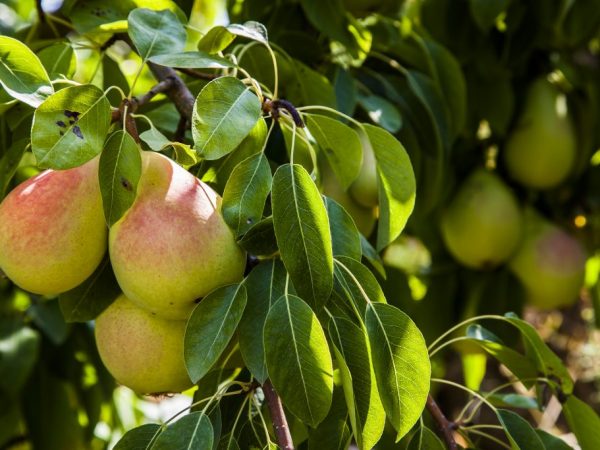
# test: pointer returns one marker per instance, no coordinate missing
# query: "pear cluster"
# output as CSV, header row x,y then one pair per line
x,y
170,249
484,225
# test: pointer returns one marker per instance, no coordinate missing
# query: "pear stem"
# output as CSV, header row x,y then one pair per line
x,y
280,424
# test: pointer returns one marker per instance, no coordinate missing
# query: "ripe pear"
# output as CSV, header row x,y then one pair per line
x,y
364,188
540,153
52,230
142,351
482,224
549,262
173,246
364,218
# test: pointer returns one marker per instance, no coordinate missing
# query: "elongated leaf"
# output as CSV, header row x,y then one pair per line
x,y
19,351
260,239
190,432
333,432
10,162
356,284
119,172
246,193
192,60
370,254
251,30
360,388
397,184
94,295
302,232
138,438
298,359
264,286
425,439
401,364
583,422
22,74
224,113
58,60
211,327
341,146
70,127
155,32
345,239
552,442
520,433
215,40
381,111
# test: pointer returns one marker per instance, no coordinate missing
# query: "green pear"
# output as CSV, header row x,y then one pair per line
x,y
549,262
364,218
540,152
364,188
52,230
142,351
482,224
172,246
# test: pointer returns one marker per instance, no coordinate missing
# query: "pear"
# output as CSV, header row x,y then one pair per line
x,y
540,153
142,351
52,230
364,188
481,226
172,246
549,262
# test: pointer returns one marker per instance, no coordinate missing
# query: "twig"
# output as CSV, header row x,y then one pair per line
x,y
178,93
130,125
282,430
273,106
180,131
197,74
445,426
162,87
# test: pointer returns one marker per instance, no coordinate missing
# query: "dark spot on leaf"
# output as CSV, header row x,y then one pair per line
x,y
71,122
62,133
171,303
61,124
77,132
126,184
71,114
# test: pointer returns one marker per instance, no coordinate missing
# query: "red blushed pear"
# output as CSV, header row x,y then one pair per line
x,y
52,230
173,247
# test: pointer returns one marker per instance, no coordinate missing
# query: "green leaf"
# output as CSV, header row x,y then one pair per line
x,y
425,439
246,192
397,184
215,40
22,74
191,431
356,284
333,432
119,172
210,328
552,442
155,32
138,438
401,364
302,232
59,60
69,128
154,138
260,239
520,433
252,30
371,255
340,144
345,238
90,298
512,401
308,87
583,422
485,12
10,162
19,351
358,379
381,111
49,319
192,60
298,359
224,113
264,286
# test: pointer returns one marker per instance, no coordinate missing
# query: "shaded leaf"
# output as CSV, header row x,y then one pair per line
x,y
260,239
155,32
381,111
19,351
552,442
345,239
251,30
356,284
215,40
10,162
138,438
58,59
425,439
333,432
192,60
193,430
583,422
520,433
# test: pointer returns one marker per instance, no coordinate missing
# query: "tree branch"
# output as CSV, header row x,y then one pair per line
x,y
178,93
282,430
445,426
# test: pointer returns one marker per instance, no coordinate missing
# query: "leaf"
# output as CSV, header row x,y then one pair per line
x,y
298,359
345,238
211,327
22,74
19,351
397,184
333,432
264,286
90,298
371,255
119,172
360,388
308,87
138,438
224,113
192,431
512,401
251,30
356,284
154,138
340,144
192,60
552,442
401,364
520,433
216,39
381,111
583,422
485,12
155,32
302,232
260,239
49,319
69,128
425,439
246,192
10,162
59,60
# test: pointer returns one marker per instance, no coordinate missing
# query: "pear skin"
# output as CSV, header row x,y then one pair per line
x,y
141,351
52,230
172,246
364,189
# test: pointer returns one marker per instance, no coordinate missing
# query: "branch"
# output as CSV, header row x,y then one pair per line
x,y
282,430
445,426
178,93
162,87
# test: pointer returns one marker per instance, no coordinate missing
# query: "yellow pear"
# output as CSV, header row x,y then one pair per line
x,y
172,246
481,226
541,151
142,352
364,188
549,262
52,230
